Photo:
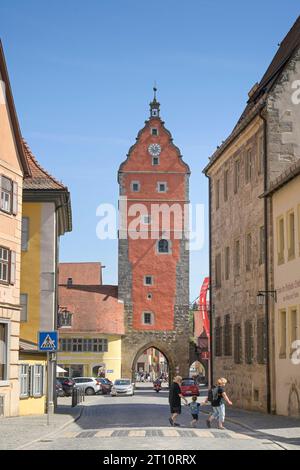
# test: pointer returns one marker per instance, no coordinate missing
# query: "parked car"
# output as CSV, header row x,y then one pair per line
x,y
90,385
106,385
67,385
122,387
189,387
59,389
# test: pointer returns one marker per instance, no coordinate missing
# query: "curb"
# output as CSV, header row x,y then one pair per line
x,y
73,420
249,428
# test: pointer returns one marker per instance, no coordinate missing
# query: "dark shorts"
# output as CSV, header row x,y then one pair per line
x,y
175,409
195,417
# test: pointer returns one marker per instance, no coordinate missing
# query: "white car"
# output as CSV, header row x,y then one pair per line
x,y
90,385
122,387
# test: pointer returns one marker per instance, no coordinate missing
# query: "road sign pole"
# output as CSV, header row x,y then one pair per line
x,y
48,388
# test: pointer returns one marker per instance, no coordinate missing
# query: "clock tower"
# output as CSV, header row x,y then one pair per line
x,y
153,264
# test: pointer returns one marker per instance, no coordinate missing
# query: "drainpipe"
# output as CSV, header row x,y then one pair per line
x,y
210,366
266,246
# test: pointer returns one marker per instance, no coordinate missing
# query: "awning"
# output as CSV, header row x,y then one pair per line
x,y
60,370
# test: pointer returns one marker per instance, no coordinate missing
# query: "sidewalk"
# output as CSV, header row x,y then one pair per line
x,y
23,430
283,430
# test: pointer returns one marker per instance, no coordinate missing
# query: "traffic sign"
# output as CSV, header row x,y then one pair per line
x,y
48,341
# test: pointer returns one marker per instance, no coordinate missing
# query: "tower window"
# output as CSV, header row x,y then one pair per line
x,y
148,318
154,131
146,219
163,246
154,112
135,186
155,161
148,280
161,187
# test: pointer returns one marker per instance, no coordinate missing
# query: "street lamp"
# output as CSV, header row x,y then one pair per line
x,y
263,293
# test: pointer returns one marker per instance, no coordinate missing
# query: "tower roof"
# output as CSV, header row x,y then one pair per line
x,y
154,105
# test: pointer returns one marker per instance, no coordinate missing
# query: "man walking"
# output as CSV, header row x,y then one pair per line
x,y
175,396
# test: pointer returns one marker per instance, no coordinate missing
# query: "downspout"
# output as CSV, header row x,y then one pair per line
x,y
266,247
211,381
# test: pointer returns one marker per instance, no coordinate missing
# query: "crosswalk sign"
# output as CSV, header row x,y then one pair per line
x,y
48,341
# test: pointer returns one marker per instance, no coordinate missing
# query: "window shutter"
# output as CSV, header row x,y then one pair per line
x,y
12,267
25,233
30,380
15,198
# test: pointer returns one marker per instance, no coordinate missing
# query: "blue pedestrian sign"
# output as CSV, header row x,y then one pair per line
x,y
48,341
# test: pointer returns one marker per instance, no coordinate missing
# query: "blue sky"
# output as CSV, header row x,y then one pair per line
x,y
82,75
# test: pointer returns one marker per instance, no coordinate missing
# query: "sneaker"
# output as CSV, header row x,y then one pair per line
x,y
208,423
171,421
176,424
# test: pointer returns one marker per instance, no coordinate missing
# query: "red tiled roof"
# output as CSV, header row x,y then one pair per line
x,y
40,178
287,48
95,309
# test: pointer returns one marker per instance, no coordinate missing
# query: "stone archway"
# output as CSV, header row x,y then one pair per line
x,y
162,350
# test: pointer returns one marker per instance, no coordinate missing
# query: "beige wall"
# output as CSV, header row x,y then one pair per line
x,y
287,285
10,237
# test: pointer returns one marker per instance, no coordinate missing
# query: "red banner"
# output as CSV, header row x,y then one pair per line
x,y
203,305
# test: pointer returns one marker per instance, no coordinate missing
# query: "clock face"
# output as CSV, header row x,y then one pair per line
x,y
154,149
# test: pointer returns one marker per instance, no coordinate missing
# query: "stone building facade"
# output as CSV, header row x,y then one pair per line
x,y
263,145
154,257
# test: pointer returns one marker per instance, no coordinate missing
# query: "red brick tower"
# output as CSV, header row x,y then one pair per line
x,y
153,251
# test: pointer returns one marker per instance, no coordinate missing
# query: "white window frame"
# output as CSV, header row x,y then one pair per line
x,y
158,186
151,318
5,380
24,374
6,203
5,262
37,380
152,280
139,186
146,219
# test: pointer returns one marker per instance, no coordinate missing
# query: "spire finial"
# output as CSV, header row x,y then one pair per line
x,y
155,90
154,105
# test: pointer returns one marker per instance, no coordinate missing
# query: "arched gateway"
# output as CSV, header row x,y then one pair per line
x,y
153,252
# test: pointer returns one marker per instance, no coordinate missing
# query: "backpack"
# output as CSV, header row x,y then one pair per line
x,y
212,394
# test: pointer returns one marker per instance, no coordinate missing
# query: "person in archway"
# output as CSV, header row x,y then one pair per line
x,y
175,397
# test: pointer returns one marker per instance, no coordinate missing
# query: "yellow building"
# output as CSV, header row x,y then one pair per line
x,y
285,197
90,322
46,216
13,166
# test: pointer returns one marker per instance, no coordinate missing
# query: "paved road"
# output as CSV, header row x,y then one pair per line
x,y
141,422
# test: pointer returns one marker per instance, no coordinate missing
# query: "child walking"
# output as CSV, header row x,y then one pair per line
x,y
194,409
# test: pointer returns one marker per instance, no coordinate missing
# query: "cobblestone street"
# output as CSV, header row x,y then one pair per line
x,y
141,422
